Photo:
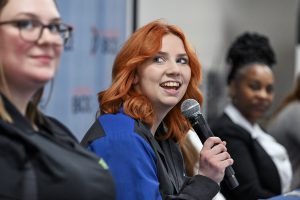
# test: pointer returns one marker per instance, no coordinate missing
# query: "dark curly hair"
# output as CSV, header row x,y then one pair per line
x,y
249,48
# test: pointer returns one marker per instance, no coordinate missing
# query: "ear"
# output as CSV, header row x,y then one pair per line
x,y
136,79
232,89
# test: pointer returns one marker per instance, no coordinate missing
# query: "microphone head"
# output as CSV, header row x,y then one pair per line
x,y
190,107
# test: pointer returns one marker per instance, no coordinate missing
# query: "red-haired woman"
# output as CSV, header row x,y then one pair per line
x,y
141,124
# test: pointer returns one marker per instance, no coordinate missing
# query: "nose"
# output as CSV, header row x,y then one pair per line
x,y
173,68
264,94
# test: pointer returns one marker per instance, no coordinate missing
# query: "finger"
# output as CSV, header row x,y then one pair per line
x,y
227,162
219,148
222,156
211,141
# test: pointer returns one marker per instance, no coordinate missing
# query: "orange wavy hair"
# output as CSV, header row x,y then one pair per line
x,y
142,45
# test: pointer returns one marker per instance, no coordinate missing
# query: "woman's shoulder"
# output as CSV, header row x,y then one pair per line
x,y
293,108
289,114
57,127
224,127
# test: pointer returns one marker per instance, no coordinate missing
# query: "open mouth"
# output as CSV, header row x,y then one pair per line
x,y
175,85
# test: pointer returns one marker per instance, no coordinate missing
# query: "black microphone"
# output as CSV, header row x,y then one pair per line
x,y
190,108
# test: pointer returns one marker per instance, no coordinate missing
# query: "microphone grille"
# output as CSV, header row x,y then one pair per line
x,y
189,107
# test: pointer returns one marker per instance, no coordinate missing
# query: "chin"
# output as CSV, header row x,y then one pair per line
x,y
171,103
44,78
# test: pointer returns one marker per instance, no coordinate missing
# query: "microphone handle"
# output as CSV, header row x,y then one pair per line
x,y
203,131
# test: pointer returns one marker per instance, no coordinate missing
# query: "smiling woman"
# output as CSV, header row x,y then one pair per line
x,y
141,123
261,164
39,157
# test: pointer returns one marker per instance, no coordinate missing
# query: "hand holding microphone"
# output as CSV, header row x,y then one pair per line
x,y
190,108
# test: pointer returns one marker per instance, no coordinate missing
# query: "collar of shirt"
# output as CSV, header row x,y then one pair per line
x,y
275,150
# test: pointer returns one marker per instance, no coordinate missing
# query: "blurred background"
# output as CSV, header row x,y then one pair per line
x,y
101,27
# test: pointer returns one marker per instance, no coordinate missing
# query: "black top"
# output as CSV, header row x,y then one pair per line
x,y
254,168
48,164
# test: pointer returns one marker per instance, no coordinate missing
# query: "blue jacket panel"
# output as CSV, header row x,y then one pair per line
x,y
130,158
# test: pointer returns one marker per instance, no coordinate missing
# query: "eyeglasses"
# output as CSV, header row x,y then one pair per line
x,y
31,30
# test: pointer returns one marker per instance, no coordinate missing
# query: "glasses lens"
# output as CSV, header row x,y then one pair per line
x,y
30,33
61,32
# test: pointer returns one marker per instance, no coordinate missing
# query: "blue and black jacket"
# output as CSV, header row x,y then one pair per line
x,y
142,166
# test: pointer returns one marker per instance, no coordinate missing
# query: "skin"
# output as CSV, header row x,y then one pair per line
x,y
252,91
164,79
28,66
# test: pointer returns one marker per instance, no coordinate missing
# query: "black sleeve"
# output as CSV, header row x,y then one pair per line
x,y
196,188
11,168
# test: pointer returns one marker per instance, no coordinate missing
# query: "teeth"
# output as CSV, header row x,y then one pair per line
x,y
171,84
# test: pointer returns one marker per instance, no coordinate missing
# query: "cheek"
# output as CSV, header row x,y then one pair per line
x,y
13,52
58,51
186,73
271,97
243,95
20,50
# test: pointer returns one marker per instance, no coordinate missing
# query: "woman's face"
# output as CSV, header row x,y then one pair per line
x,y
28,65
252,91
164,77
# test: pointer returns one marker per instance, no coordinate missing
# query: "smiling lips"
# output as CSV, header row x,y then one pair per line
x,y
44,59
175,85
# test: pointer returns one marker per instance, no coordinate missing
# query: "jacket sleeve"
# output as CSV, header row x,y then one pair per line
x,y
132,163
196,188
12,169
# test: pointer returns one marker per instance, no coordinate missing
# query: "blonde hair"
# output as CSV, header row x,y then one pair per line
x,y
32,111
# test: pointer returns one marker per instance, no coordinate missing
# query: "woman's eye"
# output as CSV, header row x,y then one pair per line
x,y
182,60
25,24
270,89
159,59
54,28
254,86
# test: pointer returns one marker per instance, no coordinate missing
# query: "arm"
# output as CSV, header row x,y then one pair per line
x,y
11,166
132,163
196,188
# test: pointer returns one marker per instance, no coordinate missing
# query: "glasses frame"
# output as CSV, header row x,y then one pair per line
x,y
66,37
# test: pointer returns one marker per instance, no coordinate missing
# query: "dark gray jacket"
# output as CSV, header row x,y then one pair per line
x,y
49,164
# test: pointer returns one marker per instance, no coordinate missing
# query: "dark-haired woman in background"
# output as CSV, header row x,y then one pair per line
x,y
261,164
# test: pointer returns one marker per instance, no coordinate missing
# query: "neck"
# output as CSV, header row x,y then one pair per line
x,y
155,126
159,116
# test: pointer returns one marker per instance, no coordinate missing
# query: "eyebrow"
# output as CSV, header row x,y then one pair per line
x,y
180,55
28,14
